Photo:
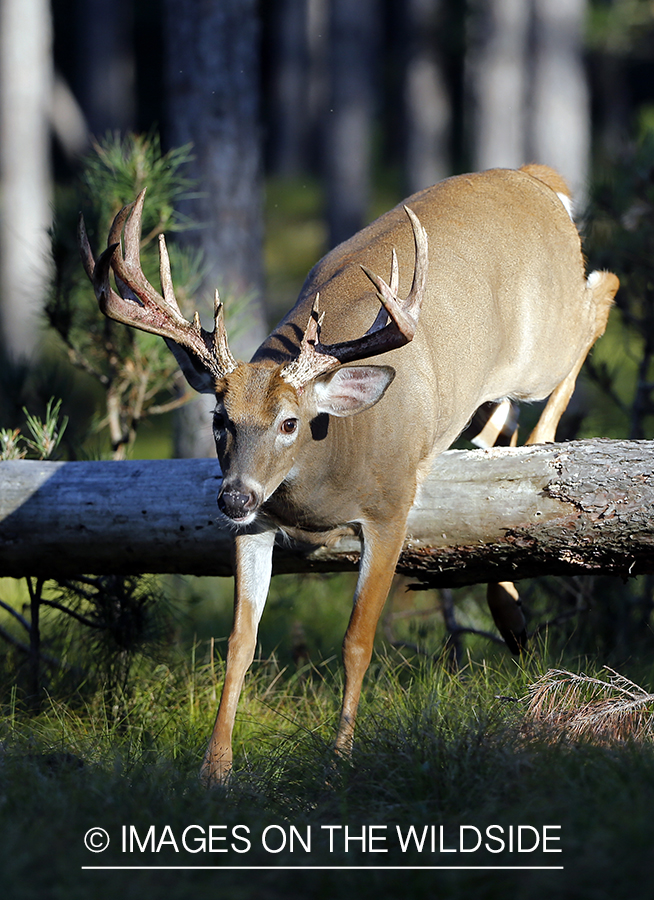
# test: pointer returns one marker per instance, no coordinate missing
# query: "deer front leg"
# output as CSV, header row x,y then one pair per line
x,y
376,569
252,559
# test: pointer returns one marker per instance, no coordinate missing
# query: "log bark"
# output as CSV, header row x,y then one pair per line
x,y
483,515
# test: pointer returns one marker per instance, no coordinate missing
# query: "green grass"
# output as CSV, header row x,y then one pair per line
x,y
432,749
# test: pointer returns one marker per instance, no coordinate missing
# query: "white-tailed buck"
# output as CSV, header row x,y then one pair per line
x,y
497,306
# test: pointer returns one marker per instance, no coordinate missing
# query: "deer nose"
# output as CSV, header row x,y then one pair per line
x,y
237,504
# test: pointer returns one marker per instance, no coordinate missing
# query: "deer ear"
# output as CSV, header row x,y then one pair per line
x,y
352,389
200,379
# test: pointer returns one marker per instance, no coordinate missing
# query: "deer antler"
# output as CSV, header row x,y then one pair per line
x,y
139,304
316,358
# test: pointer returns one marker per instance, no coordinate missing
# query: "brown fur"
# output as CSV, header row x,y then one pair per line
x,y
548,176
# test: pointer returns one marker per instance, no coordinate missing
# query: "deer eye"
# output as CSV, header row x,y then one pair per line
x,y
288,426
218,422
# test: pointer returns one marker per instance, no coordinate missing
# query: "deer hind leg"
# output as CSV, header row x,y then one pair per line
x,y
252,562
506,609
602,287
503,598
376,570
495,424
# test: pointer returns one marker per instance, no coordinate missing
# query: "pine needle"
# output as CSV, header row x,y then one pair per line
x,y
584,707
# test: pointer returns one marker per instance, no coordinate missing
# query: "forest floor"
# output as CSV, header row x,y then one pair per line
x,y
472,784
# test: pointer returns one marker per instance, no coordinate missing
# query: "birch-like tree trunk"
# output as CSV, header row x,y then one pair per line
x,y
497,81
528,86
428,115
559,124
25,180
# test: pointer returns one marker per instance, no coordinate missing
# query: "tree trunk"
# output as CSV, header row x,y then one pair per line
x,y
348,122
106,77
483,515
497,81
213,102
427,123
25,181
288,116
528,87
559,126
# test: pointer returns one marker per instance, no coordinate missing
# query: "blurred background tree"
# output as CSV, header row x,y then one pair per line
x,y
356,104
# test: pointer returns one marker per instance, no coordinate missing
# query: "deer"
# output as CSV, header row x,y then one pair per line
x,y
333,425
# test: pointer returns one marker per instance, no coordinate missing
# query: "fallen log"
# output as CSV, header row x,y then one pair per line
x,y
483,515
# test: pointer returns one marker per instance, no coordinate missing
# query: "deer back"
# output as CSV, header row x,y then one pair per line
x,y
505,312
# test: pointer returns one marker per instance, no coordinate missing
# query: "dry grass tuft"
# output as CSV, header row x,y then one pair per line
x,y
580,707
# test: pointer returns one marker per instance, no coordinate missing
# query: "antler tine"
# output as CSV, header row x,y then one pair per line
x,y
421,269
116,230
84,246
312,360
395,272
221,348
316,358
132,232
165,276
97,272
130,278
107,297
312,331
405,312
382,315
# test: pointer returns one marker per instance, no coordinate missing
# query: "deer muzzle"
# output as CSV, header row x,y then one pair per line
x,y
238,501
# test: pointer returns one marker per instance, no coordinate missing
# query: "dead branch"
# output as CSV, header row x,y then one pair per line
x,y
586,507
